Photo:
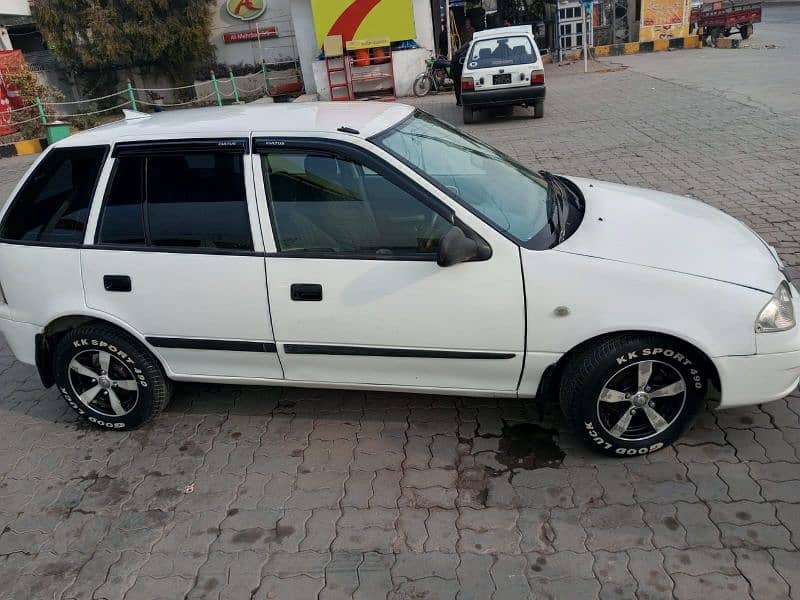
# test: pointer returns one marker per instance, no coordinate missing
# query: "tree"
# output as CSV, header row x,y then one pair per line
x,y
93,38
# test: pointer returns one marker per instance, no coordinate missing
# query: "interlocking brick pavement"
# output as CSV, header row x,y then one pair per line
x,y
328,494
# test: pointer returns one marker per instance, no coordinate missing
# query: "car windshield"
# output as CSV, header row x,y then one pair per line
x,y
499,52
491,184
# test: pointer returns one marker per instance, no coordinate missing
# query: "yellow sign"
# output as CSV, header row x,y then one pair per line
x,y
363,19
246,10
372,43
664,19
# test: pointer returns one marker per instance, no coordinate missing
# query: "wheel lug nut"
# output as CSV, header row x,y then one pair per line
x,y
651,404
633,411
647,388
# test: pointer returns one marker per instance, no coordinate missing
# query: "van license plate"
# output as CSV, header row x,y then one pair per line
x,y
498,79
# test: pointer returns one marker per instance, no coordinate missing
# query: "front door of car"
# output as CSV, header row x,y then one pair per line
x,y
177,255
356,294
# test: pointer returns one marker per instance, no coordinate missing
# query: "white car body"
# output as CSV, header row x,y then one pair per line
x,y
639,261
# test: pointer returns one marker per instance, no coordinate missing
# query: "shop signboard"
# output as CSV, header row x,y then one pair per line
x,y
246,10
664,19
363,19
250,35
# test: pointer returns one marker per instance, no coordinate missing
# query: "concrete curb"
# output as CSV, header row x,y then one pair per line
x,y
23,147
688,42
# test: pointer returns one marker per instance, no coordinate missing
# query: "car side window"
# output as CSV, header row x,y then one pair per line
x,y
53,204
192,200
323,204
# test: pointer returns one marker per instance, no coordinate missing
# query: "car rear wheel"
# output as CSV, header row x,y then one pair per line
x,y
469,115
538,110
633,394
109,378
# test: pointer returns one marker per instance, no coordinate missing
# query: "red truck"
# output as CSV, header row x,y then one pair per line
x,y
724,17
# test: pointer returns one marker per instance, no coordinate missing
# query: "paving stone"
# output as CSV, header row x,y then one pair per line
x,y
712,586
614,528
699,561
661,483
611,570
341,576
411,528
700,529
442,532
488,531
617,488
775,445
740,485
474,577
663,522
785,563
705,477
765,582
757,535
508,574
647,567
374,576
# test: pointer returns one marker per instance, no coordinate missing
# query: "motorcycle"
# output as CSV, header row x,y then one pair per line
x,y
435,78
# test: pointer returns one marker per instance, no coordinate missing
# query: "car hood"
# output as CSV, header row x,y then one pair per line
x,y
665,231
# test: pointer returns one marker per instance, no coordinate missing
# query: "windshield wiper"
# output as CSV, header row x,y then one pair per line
x,y
558,194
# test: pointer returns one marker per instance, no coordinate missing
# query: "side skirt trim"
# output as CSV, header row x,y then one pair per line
x,y
200,344
392,352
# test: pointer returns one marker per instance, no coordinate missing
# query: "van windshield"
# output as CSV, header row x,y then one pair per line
x,y
500,52
488,182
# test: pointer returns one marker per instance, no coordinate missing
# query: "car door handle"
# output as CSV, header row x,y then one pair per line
x,y
117,283
306,292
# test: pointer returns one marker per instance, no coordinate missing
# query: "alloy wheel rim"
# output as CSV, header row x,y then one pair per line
x,y
641,400
103,383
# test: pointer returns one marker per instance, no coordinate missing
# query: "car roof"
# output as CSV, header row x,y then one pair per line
x,y
498,32
367,118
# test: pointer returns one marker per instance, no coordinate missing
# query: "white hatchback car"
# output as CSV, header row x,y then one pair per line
x,y
503,68
370,246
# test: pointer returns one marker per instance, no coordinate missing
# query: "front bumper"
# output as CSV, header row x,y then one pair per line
x,y
758,378
524,94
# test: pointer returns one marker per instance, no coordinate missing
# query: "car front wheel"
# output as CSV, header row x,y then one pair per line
x,y
109,378
633,394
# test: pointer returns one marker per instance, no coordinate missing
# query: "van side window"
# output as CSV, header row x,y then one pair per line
x,y
192,200
53,204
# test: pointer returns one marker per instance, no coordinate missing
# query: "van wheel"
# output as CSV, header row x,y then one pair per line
x,y
469,115
538,110
108,378
633,394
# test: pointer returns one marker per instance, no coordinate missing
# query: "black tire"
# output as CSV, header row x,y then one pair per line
x,y
469,115
623,424
132,391
423,84
746,30
715,34
538,110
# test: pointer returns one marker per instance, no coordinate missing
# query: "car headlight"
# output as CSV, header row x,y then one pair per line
x,y
778,314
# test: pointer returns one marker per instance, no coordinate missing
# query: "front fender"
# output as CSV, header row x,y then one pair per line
x,y
595,296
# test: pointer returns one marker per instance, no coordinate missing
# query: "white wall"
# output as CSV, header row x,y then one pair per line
x,y
15,7
306,41
5,41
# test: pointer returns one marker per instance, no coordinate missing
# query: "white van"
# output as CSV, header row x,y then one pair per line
x,y
503,68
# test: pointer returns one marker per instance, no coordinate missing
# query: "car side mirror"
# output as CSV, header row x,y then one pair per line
x,y
455,247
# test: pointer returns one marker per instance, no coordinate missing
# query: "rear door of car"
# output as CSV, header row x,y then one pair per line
x,y
502,62
177,255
